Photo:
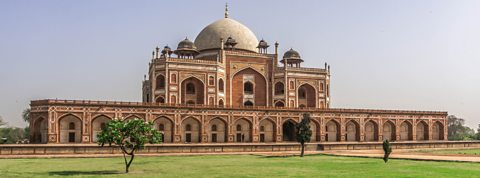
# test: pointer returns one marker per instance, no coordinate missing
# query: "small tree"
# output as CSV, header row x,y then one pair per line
x,y
386,150
26,114
304,132
2,123
26,118
129,136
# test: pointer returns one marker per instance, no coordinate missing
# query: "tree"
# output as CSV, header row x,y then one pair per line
x,y
2,123
26,118
477,135
304,132
26,114
12,135
129,136
457,129
386,150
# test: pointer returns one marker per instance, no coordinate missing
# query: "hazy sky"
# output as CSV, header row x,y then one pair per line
x,y
414,55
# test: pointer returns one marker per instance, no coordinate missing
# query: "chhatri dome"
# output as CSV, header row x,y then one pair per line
x,y
209,37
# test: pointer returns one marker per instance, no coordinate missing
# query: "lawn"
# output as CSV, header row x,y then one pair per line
x,y
463,151
235,166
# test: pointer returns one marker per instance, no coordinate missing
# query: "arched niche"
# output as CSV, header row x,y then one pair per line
x,y
217,130
192,91
267,130
165,126
70,129
99,123
243,130
191,130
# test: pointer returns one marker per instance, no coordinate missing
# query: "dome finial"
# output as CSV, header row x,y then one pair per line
x,y
226,10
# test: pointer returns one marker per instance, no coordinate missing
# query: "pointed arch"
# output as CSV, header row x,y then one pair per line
x,y
221,85
389,131
191,130
173,99
69,134
422,130
40,130
98,124
243,130
160,82
371,131
211,80
193,91
217,130
279,88
437,131
279,103
133,116
249,76
268,130
332,128
211,101
306,95
406,132
315,127
352,130
248,103
289,130
248,88
165,126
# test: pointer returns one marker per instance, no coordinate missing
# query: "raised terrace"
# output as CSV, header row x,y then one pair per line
x,y
260,123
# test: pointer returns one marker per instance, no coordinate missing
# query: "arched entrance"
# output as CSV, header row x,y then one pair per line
x,y
333,131
191,130
165,126
248,103
246,84
371,131
98,124
314,127
267,130
160,82
422,131
306,96
437,131
279,88
279,104
353,131
243,130
192,91
289,131
40,131
217,130
389,131
406,131
70,129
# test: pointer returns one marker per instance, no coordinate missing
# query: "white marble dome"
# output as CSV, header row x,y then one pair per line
x,y
209,37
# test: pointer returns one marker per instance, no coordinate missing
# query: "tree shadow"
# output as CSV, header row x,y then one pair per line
x,y
73,173
286,156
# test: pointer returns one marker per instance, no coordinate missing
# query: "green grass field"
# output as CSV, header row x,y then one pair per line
x,y
463,151
235,166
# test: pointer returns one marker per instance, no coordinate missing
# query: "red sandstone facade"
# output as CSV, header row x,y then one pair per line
x,y
226,87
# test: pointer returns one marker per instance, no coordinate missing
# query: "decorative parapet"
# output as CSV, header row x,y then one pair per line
x,y
303,69
54,102
249,54
191,61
